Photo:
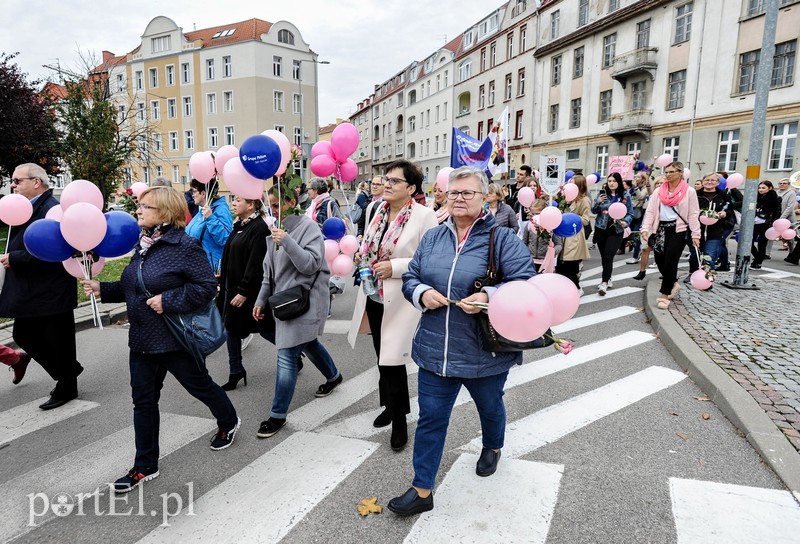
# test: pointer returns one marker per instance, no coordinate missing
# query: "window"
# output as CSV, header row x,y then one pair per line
x,y
783,64
186,73
172,108
575,113
523,39
509,87
157,45
141,113
510,45
605,106
412,124
187,106
754,7
227,101
573,154
748,69
153,78
213,137
427,121
146,174
465,70
683,22
521,82
444,142
159,171
209,68
188,136
227,67
155,110
445,78
444,112
518,125
728,150
277,66
284,36
483,59
613,5
211,103
555,19
437,115
139,80
643,34
170,74
121,116
277,101
480,130
173,141
672,146
609,49
583,12
781,147
492,55
601,165
634,147
223,33
577,63
436,145
555,73
553,126
297,103
296,69
176,174
156,142
491,93
677,89
638,95
400,98
120,83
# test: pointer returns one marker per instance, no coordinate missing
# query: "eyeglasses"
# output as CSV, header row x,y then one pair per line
x,y
17,181
146,207
467,195
391,182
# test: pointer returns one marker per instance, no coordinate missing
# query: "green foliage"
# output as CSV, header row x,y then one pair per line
x,y
111,272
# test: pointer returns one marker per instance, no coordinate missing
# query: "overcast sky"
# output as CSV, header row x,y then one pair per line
x,y
366,41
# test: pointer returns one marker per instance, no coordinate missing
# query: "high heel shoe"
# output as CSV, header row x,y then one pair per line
x,y
233,380
399,433
640,275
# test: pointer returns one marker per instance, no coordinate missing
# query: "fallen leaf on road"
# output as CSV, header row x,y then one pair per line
x,y
703,398
369,506
706,416
757,341
673,413
683,436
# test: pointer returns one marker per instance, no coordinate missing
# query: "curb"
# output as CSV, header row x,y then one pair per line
x,y
734,402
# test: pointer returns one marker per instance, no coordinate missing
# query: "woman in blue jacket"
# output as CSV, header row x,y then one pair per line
x,y
213,224
608,233
447,346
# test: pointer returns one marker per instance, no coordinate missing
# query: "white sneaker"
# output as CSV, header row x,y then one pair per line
x,y
246,341
610,284
632,260
580,291
601,289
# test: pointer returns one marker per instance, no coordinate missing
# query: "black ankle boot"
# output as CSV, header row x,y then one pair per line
x,y
640,275
383,419
399,433
233,380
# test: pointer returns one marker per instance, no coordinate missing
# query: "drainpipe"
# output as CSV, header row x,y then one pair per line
x,y
697,83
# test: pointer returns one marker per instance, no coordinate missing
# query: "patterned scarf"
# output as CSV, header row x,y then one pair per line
x,y
246,220
150,236
442,214
311,212
372,250
672,199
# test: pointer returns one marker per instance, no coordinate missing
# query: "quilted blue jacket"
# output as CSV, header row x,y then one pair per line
x,y
448,340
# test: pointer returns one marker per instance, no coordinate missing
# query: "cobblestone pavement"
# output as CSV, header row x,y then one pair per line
x,y
751,335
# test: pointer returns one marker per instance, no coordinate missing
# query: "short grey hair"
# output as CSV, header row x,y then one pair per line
x,y
36,171
319,185
161,181
468,172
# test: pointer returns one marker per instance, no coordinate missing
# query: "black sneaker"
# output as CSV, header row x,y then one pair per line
x,y
223,439
135,476
325,389
270,427
755,266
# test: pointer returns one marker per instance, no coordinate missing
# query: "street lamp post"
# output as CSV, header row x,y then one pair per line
x,y
302,102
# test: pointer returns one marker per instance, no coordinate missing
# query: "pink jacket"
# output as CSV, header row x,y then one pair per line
x,y
688,209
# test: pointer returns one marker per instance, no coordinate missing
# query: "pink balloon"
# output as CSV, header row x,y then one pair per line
x,y
706,220
735,180
83,226
323,165
344,141
15,210
617,210
321,148
342,265
331,250
348,170
591,179
520,311
687,174
349,245
73,266
443,177
81,190
564,297
664,160
201,166
550,218
781,225
570,192
56,212
788,234
526,196
137,189
240,182
285,147
699,280
772,234
626,232
224,154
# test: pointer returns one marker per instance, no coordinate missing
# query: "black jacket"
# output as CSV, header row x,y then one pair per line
x,y
768,206
35,288
719,201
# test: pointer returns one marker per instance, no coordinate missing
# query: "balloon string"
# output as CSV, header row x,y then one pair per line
x,y
348,222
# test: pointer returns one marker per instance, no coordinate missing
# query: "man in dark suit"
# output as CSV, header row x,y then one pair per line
x,y
40,296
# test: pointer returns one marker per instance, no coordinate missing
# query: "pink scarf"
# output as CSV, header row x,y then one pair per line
x,y
311,212
371,247
441,213
672,199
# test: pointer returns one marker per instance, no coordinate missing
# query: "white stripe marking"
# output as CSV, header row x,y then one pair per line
x,y
88,468
613,293
28,418
711,512
264,500
467,507
599,269
776,271
360,425
615,278
337,326
548,425
594,319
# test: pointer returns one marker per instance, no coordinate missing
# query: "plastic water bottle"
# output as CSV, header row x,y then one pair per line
x,y
367,280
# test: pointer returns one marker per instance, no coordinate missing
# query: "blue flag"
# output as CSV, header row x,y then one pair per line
x,y
467,151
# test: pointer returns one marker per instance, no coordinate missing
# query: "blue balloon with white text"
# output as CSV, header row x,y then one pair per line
x,y
260,156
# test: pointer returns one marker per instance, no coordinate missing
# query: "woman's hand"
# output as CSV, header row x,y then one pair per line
x,y
476,297
207,211
382,269
696,242
238,300
433,299
258,313
91,287
722,215
278,235
645,235
601,197
155,304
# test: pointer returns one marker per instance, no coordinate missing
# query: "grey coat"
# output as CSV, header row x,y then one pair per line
x,y
300,256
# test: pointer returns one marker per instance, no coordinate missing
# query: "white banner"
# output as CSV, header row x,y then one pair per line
x,y
551,168
498,163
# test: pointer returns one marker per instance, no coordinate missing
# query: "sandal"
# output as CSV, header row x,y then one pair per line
x,y
663,303
675,288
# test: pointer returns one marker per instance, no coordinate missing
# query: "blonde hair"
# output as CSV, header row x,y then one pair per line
x,y
495,188
169,203
538,204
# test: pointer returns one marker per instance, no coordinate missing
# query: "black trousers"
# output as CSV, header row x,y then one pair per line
x,y
608,242
760,250
393,380
571,270
667,261
50,341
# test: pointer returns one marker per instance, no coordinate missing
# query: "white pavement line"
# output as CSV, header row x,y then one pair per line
x,y
86,470
337,326
515,505
360,425
615,278
28,418
594,319
612,293
711,512
318,411
588,273
548,425
775,273
264,500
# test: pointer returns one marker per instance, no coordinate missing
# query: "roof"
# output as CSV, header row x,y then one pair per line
x,y
327,128
251,29
54,91
109,60
453,44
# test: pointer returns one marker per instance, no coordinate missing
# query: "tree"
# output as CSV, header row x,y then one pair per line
x,y
27,122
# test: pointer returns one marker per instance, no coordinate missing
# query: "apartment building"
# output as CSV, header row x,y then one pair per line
x,y
362,120
201,90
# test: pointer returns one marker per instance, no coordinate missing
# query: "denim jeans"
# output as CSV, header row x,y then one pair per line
x,y
437,395
235,354
636,224
148,371
724,258
712,248
286,378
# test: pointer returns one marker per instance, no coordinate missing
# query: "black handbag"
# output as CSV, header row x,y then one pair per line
x,y
291,303
491,340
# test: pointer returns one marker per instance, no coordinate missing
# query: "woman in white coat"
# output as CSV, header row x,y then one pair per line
x,y
390,240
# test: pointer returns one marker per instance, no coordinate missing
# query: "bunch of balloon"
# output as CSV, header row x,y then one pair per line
x,y
339,254
333,158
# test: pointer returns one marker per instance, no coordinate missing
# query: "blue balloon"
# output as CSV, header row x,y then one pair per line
x,y
554,203
798,198
723,184
44,241
260,156
571,224
334,229
121,235
640,166
599,177
568,175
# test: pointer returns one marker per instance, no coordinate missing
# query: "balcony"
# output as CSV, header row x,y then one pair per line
x,y
639,122
638,61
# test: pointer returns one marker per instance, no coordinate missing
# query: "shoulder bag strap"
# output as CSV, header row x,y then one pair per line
x,y
141,279
491,271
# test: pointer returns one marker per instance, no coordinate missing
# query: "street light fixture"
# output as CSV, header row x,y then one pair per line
x,y
302,102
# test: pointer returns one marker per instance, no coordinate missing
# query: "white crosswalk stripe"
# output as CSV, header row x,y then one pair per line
x,y
28,418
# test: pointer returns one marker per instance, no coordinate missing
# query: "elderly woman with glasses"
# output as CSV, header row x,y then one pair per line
x,y
672,210
448,346
322,205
